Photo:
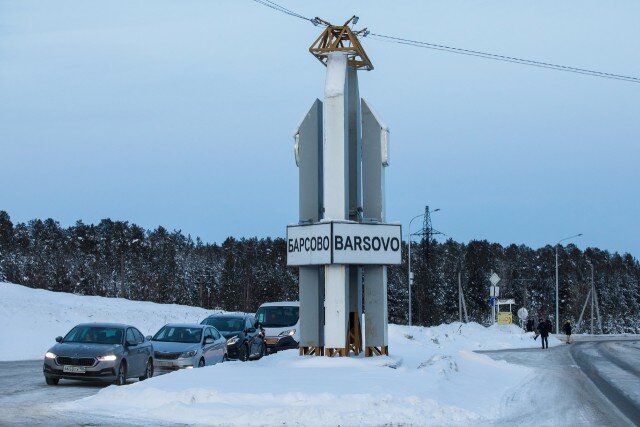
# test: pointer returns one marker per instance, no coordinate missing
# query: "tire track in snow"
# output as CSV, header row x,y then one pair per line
x,y
599,367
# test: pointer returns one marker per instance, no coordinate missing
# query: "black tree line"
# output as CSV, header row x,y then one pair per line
x,y
119,259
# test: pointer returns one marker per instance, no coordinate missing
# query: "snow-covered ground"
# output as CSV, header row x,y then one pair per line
x,y
32,318
432,375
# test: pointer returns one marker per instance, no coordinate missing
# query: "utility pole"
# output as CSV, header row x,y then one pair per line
x,y
593,297
592,300
428,231
557,282
427,234
462,305
459,297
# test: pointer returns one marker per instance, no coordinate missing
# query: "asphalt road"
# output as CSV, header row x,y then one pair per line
x,y
26,400
585,383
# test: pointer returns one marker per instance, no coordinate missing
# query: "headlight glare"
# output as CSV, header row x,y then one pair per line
x,y
49,355
188,353
107,358
290,332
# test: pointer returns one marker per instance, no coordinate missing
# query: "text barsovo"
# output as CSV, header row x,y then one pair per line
x,y
344,243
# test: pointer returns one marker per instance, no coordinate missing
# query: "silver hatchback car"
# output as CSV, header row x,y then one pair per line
x,y
186,345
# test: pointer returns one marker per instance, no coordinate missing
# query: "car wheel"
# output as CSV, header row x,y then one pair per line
x,y
121,376
201,363
148,371
264,350
244,354
51,381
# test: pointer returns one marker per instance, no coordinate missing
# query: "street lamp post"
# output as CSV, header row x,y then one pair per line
x,y
410,279
593,292
409,276
557,296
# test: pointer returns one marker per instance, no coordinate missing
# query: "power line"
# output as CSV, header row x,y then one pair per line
x,y
276,6
426,45
504,58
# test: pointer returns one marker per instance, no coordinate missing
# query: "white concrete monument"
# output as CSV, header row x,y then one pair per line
x,y
341,150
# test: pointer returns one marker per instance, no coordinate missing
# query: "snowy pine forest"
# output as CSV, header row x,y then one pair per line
x,y
119,259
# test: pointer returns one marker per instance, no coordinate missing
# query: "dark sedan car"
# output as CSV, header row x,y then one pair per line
x,y
99,352
245,337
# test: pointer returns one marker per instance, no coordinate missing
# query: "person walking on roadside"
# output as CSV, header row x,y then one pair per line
x,y
544,327
530,324
566,327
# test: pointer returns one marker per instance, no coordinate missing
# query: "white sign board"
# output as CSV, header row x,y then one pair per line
x,y
344,243
523,313
366,244
309,244
506,301
494,291
494,279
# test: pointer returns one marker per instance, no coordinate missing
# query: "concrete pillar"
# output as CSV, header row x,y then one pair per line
x,y
311,286
335,135
336,197
375,138
355,205
336,310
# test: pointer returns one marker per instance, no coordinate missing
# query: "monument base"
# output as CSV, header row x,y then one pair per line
x,y
311,351
355,334
376,351
332,352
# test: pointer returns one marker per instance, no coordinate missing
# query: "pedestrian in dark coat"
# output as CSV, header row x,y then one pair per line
x,y
544,327
566,327
530,325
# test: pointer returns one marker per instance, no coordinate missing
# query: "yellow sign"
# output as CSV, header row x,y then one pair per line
x,y
505,318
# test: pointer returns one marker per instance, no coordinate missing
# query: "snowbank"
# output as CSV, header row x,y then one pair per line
x,y
32,318
432,377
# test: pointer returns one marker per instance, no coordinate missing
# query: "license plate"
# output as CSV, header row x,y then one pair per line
x,y
161,363
74,369
271,341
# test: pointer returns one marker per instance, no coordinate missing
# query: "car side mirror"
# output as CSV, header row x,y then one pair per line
x,y
149,337
58,339
251,330
131,343
208,340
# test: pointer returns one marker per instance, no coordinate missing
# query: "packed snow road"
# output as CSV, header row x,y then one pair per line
x,y
25,399
585,383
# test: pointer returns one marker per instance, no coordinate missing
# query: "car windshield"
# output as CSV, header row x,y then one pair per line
x,y
225,324
95,334
179,334
278,316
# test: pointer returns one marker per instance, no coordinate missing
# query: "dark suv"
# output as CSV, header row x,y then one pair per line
x,y
245,337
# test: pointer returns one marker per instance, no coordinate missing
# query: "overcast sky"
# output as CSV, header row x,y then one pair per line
x,y
180,113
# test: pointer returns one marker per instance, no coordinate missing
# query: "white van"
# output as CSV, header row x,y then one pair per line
x,y
281,324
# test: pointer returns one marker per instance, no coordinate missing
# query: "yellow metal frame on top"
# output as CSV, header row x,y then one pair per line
x,y
340,38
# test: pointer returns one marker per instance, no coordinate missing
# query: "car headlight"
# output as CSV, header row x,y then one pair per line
x,y
233,340
290,332
108,358
188,353
49,355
